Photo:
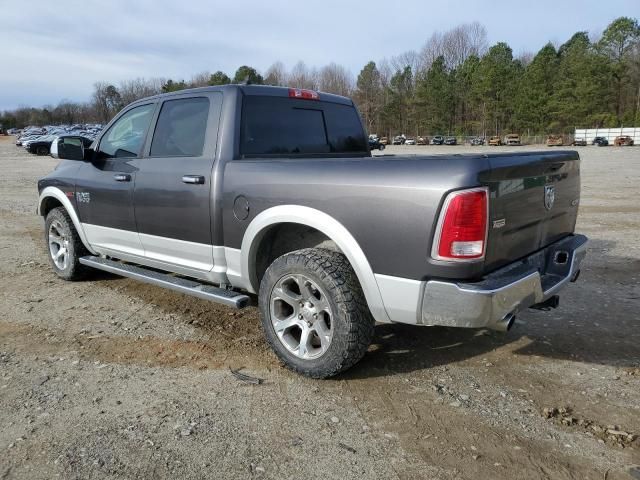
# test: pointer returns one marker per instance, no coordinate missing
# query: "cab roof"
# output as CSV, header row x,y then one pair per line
x,y
263,90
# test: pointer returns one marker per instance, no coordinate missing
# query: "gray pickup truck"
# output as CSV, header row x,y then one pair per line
x,y
240,192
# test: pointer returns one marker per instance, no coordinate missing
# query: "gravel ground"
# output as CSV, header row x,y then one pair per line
x,y
109,378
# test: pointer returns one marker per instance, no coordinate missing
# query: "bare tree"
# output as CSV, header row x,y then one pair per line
x,y
132,90
455,45
200,79
276,74
410,58
67,112
302,77
334,78
386,72
525,57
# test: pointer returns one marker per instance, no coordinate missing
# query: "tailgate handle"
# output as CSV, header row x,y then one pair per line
x,y
554,168
122,177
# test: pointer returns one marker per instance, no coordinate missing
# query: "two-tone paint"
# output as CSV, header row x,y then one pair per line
x,y
381,212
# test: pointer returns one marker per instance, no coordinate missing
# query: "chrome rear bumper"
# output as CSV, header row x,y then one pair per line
x,y
494,301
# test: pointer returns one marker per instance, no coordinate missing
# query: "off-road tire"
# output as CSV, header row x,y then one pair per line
x,y
352,322
76,249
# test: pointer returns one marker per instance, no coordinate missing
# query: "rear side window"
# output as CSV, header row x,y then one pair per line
x,y
181,128
283,126
344,128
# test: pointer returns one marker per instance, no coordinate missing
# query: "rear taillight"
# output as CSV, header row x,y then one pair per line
x,y
461,233
303,94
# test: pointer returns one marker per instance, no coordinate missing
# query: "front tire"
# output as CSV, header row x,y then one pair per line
x,y
64,245
314,314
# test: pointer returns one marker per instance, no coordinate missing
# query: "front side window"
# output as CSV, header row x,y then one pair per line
x,y
181,128
125,137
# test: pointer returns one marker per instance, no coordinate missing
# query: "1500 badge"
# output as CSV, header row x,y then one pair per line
x,y
83,197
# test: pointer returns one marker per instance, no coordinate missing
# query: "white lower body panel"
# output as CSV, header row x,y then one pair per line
x,y
113,239
215,264
402,298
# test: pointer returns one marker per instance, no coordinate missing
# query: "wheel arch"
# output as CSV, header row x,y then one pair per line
x,y
52,197
333,230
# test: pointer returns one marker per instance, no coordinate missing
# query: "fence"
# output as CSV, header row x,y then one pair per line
x,y
609,133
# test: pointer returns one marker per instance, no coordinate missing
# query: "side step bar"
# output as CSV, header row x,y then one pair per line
x,y
183,285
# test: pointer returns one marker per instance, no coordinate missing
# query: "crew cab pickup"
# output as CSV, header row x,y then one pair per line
x,y
242,192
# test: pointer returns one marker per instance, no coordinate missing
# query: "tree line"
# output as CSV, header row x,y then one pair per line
x,y
455,84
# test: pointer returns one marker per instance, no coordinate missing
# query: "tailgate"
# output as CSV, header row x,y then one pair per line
x,y
533,202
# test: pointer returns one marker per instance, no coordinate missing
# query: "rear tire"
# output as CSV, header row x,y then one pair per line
x,y
314,314
64,245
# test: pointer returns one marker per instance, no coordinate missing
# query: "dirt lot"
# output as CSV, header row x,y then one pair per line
x,y
110,378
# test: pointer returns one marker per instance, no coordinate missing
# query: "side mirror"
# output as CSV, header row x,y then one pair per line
x,y
69,148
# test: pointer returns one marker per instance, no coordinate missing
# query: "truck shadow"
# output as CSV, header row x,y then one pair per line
x,y
598,322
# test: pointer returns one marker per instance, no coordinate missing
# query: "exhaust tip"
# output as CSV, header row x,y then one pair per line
x,y
506,323
561,257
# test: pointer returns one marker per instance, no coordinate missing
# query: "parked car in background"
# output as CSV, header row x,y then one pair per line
x,y
437,140
477,141
600,141
398,140
555,141
41,145
623,141
512,139
450,141
410,141
495,141
579,142
374,143
422,141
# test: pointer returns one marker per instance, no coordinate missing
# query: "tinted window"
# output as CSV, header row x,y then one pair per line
x,y
284,126
345,129
125,137
181,128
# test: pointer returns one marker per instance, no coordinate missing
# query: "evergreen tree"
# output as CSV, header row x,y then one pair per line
x,y
494,83
368,94
533,102
435,98
219,78
248,74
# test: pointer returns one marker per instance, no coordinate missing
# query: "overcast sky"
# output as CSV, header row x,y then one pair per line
x,y
57,49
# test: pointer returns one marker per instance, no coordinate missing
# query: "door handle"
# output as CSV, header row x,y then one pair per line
x,y
122,177
193,179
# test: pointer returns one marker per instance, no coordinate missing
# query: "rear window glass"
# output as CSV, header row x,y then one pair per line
x,y
181,128
284,126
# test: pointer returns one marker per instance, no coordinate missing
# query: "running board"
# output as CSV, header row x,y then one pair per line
x,y
183,285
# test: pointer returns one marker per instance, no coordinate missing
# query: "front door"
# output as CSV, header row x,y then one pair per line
x,y
104,187
173,184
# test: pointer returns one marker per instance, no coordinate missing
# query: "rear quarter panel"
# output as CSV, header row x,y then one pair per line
x,y
389,204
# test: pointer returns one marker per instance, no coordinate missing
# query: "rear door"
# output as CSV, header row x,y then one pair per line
x,y
173,185
104,186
